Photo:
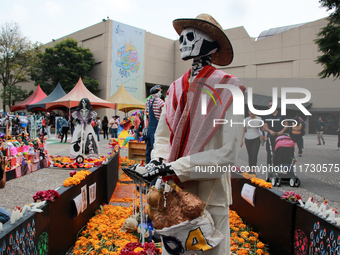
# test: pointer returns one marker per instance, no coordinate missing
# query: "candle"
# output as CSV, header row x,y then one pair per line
x,y
315,207
323,209
15,216
309,203
301,203
331,216
328,212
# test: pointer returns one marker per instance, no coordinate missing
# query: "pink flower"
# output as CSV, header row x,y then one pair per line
x,y
73,173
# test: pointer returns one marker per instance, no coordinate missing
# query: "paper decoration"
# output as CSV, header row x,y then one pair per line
x,y
84,197
248,193
78,202
92,192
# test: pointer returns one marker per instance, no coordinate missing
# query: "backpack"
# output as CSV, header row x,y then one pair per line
x,y
298,129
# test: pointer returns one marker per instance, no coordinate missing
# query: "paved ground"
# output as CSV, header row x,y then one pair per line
x,y
20,191
317,184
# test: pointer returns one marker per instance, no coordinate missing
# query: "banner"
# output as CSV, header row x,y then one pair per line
x,y
127,66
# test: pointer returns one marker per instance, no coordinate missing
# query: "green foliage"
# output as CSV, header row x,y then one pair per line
x,y
65,62
16,56
14,93
328,41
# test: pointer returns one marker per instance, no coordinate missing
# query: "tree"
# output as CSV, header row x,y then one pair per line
x,y
65,62
328,41
16,56
17,94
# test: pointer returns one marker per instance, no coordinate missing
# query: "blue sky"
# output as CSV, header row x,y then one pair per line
x,y
44,20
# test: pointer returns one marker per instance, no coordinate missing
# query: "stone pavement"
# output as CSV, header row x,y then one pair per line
x,y
20,191
317,184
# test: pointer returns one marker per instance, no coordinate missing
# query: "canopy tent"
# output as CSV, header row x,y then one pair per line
x,y
125,102
57,93
72,99
37,96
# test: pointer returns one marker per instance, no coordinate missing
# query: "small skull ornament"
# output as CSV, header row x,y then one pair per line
x,y
129,225
196,43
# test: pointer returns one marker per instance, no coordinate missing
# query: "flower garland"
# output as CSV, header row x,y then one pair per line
x,y
77,178
66,162
102,234
46,195
260,182
242,239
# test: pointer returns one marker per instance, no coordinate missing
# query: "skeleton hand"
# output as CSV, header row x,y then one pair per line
x,y
153,163
160,170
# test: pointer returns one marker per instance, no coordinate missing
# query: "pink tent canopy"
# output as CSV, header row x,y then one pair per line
x,y
72,99
37,96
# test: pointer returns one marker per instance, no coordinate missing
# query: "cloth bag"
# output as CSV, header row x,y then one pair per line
x,y
190,237
195,236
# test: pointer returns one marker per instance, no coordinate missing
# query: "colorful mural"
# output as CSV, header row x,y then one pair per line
x,y
127,59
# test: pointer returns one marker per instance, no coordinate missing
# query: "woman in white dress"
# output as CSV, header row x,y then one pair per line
x,y
83,116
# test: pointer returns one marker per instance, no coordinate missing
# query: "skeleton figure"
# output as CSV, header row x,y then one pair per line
x,y
198,45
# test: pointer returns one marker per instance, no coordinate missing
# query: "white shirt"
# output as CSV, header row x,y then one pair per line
x,y
253,130
222,150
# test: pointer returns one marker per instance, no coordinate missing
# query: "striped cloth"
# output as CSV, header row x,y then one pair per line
x,y
157,105
190,130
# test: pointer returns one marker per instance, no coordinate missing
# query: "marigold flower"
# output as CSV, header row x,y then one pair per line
x,y
260,245
259,251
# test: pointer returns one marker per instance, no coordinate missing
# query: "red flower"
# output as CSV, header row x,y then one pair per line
x,y
73,173
46,195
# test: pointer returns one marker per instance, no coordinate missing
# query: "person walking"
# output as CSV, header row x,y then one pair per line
x,y
98,127
43,124
72,125
320,128
338,131
64,128
252,136
114,124
136,122
274,127
105,124
153,107
48,123
296,134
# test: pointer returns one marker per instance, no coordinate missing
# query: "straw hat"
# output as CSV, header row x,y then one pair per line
x,y
209,25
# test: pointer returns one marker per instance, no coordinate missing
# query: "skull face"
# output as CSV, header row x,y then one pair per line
x,y
196,43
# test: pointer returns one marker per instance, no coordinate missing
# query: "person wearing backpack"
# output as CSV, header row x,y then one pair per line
x,y
296,134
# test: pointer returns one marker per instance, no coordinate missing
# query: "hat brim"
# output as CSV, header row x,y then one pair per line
x,y
225,54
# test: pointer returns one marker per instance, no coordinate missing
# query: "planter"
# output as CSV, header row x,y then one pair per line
x,y
314,235
272,216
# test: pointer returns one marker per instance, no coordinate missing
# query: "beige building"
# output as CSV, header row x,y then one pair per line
x,y
282,57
